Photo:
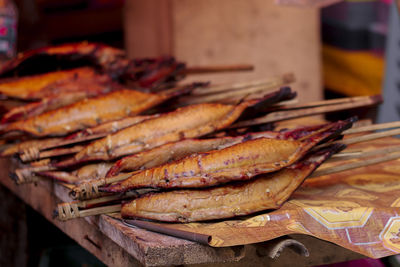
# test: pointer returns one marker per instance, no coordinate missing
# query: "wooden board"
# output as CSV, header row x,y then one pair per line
x,y
118,245
276,39
110,240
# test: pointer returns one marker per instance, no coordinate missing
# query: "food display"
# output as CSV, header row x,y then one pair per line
x,y
132,138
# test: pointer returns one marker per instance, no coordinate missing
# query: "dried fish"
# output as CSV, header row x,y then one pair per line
x,y
92,112
238,162
269,191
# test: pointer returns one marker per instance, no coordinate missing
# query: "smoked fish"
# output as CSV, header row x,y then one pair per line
x,y
242,161
266,192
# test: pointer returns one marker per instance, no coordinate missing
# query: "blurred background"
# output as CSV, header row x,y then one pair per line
x,y
339,47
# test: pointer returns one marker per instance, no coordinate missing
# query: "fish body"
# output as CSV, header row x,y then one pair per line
x,y
266,192
237,162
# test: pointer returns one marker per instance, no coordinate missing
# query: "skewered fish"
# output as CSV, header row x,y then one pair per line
x,y
145,72
187,122
91,171
92,112
269,191
46,59
39,86
58,95
238,162
88,134
178,150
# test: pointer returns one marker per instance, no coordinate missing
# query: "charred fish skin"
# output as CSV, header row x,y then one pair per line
x,y
145,72
266,192
106,58
238,162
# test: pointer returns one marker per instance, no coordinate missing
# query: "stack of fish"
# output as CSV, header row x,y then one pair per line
x,y
115,128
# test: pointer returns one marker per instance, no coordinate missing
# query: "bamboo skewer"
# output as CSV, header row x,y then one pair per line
x,y
395,154
34,153
325,102
216,69
75,209
67,211
292,114
273,82
107,199
90,189
369,137
373,127
346,155
190,100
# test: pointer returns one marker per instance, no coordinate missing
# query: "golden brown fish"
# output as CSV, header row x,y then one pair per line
x,y
238,162
60,95
178,150
39,86
269,191
186,122
92,112
88,134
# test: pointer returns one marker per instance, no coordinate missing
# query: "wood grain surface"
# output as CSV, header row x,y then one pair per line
x,y
275,39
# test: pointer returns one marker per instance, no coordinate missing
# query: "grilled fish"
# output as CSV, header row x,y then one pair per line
x,y
46,59
269,191
61,95
78,137
36,87
238,162
186,122
92,112
178,150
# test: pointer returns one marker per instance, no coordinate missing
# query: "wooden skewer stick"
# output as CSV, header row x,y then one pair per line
x,y
325,102
27,175
273,82
373,127
359,164
364,138
90,189
190,100
369,137
67,211
292,114
346,155
76,209
107,199
217,69
33,153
